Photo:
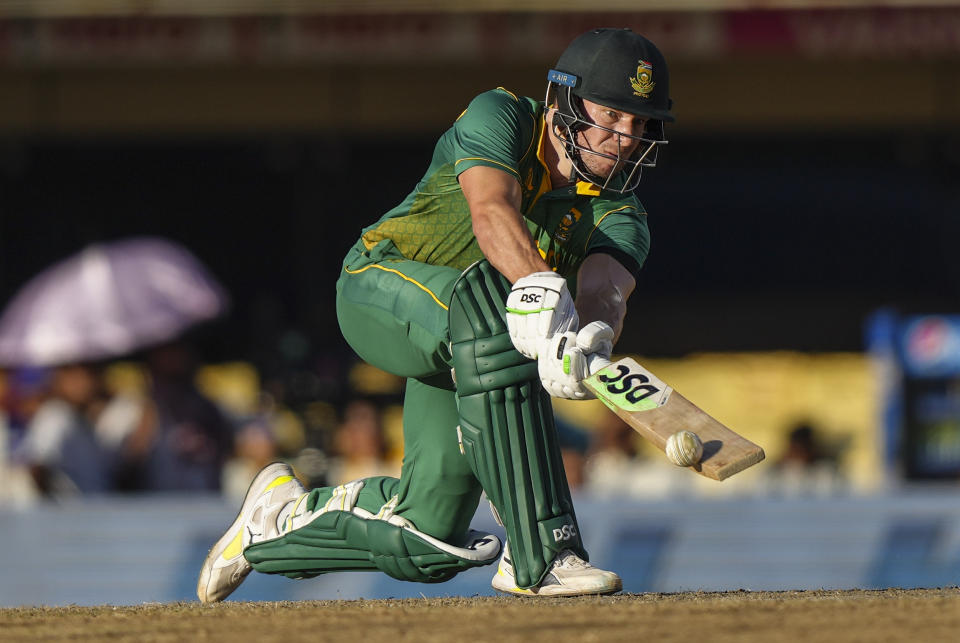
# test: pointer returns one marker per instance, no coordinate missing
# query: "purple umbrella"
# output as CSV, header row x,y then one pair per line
x,y
106,301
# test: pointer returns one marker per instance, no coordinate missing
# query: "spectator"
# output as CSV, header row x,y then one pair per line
x,y
60,447
574,443
181,440
24,391
806,467
16,485
359,445
616,468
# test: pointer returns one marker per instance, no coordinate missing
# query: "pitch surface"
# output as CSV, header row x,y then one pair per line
x,y
744,617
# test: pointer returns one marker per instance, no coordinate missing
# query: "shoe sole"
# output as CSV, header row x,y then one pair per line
x,y
269,473
556,591
519,593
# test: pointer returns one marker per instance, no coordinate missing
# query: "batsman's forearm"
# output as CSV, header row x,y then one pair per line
x,y
494,199
610,310
506,242
603,286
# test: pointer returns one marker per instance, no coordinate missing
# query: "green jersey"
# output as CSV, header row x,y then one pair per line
x,y
500,130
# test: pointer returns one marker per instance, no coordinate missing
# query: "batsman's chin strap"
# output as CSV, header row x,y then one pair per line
x,y
572,151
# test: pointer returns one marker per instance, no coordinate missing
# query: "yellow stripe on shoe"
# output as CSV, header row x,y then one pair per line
x,y
514,589
277,482
235,548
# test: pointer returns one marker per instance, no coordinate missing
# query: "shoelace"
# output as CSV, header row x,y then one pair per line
x,y
569,560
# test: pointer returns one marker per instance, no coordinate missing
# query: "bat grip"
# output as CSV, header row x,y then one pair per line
x,y
596,362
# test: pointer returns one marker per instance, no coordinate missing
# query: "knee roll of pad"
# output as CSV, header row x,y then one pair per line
x,y
506,427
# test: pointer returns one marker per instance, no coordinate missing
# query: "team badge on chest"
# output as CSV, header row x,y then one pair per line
x,y
569,219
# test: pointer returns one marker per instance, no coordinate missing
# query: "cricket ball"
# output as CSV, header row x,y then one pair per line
x,y
684,448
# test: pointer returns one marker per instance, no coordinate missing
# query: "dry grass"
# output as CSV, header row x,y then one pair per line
x,y
744,617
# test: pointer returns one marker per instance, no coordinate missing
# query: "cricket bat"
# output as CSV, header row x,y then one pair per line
x,y
656,412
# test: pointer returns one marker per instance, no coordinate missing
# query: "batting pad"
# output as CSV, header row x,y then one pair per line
x,y
506,428
356,540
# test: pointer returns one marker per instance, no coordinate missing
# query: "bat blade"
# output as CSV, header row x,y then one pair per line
x,y
656,411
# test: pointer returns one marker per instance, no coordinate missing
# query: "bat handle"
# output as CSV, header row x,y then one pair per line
x,y
596,362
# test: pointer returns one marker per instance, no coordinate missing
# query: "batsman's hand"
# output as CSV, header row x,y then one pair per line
x,y
566,360
539,307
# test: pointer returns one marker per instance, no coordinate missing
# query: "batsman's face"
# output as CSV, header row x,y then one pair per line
x,y
616,136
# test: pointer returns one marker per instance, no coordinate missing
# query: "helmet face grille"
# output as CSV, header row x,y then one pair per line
x,y
570,120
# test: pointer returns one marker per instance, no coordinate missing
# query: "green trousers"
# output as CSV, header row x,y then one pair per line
x,y
393,313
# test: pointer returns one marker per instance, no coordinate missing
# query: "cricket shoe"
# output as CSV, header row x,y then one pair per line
x,y
569,575
271,500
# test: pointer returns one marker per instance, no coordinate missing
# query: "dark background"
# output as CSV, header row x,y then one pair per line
x,y
759,242
810,178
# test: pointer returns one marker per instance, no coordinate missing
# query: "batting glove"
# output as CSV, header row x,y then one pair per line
x,y
562,366
539,307
596,340
567,358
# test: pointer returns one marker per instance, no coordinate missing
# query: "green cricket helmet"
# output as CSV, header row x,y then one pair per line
x,y
615,68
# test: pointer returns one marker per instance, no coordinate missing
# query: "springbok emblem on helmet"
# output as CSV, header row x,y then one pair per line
x,y
643,83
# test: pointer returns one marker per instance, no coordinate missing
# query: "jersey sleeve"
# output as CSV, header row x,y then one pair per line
x,y
623,234
494,130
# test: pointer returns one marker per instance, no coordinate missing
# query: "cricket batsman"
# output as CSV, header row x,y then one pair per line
x,y
490,288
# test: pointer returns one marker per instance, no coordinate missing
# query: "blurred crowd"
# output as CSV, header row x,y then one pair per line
x,y
161,422
65,430
109,387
